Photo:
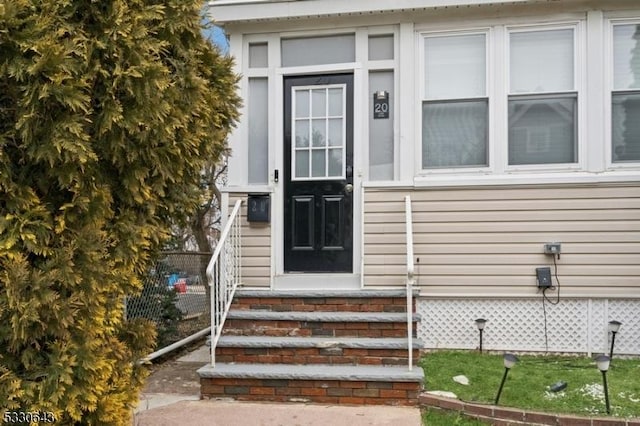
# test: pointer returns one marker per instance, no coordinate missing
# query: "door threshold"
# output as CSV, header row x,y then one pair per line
x,y
316,281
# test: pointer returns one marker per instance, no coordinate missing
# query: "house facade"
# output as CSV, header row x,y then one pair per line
x,y
510,124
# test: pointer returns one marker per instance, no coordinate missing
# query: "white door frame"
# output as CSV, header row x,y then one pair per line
x,y
339,281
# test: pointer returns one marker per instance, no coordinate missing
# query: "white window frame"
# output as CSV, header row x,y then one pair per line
x,y
498,90
277,75
609,89
391,65
421,98
579,89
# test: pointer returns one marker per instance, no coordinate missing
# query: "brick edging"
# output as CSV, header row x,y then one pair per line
x,y
511,416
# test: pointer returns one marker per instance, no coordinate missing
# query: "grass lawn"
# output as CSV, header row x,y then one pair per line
x,y
528,382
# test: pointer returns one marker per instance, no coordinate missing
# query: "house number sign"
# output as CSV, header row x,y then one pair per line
x,y
381,104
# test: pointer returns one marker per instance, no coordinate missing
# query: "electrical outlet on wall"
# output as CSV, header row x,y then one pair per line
x,y
543,276
552,248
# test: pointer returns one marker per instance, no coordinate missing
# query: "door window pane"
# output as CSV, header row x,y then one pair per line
x,y
335,132
302,163
626,127
335,162
454,134
319,103
335,102
542,61
302,133
318,133
318,163
542,131
302,103
319,136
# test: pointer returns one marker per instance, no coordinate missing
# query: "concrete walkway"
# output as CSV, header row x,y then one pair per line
x,y
230,413
172,397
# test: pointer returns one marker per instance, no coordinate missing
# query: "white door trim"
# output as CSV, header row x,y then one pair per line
x,y
289,281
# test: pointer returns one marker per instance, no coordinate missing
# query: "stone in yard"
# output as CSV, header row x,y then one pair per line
x,y
463,380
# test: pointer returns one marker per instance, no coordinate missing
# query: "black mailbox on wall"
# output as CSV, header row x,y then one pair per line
x,y
258,208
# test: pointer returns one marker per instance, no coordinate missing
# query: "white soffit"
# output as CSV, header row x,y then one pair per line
x,y
260,10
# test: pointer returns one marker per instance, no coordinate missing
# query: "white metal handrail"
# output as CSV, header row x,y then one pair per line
x,y
224,275
410,277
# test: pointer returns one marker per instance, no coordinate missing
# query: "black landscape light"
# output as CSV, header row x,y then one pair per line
x,y
602,362
480,322
509,361
614,326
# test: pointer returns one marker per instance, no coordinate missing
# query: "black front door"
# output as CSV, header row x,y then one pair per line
x,y
318,173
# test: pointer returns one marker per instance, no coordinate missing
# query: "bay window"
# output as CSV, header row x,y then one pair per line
x,y
455,103
542,99
625,95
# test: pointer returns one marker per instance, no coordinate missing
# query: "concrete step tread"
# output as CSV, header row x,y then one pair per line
x,y
313,372
325,293
319,316
316,342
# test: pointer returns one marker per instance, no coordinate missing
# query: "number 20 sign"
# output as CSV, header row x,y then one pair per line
x,y
381,104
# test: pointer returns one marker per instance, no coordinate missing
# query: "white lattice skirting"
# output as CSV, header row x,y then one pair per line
x,y
574,325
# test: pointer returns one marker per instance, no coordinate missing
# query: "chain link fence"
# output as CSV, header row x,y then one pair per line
x,y
175,296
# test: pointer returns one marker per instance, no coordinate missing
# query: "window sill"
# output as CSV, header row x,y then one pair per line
x,y
247,189
530,169
559,178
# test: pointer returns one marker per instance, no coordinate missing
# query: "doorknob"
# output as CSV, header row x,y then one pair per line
x,y
348,188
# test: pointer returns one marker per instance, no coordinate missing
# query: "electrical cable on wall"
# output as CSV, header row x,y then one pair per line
x,y
546,299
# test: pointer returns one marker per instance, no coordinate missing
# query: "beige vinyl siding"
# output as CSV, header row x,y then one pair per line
x,y
256,247
487,242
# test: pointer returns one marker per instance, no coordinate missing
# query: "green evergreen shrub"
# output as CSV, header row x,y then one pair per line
x,y
108,112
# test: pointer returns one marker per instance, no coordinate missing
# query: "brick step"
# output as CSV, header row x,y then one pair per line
x,y
341,347
327,384
333,324
330,301
314,350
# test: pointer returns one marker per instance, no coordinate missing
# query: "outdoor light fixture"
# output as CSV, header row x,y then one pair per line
x,y
509,361
480,322
614,326
602,362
